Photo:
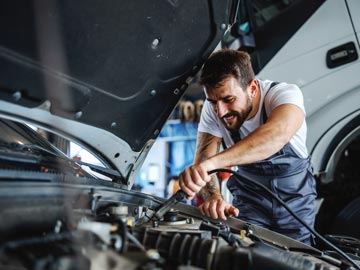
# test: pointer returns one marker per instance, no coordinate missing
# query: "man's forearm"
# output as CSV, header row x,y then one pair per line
x,y
207,146
211,188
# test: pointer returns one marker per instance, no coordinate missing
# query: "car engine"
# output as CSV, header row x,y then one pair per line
x,y
48,226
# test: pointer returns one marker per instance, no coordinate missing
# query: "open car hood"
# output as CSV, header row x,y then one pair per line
x,y
107,74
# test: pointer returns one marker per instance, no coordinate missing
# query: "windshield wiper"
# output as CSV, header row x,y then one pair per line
x,y
115,175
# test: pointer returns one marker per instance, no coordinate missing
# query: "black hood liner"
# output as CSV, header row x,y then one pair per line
x,y
118,65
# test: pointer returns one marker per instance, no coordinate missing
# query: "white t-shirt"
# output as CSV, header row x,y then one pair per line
x,y
281,93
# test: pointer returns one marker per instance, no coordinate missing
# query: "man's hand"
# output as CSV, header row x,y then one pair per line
x,y
193,178
216,207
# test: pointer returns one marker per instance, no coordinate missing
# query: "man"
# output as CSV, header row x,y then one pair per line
x,y
261,125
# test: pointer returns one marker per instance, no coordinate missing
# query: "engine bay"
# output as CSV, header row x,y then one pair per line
x,y
67,226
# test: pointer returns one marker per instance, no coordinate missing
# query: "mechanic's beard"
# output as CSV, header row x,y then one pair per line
x,y
240,117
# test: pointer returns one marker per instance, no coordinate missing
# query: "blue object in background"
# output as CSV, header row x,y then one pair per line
x,y
174,150
181,137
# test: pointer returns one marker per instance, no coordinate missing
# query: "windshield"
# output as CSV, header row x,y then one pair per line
x,y
21,134
27,147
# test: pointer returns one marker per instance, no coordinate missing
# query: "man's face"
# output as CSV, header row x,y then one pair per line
x,y
231,103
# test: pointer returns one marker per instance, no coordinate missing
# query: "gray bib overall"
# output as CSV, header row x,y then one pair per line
x,y
290,178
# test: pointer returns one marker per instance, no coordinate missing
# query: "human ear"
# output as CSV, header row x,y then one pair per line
x,y
253,88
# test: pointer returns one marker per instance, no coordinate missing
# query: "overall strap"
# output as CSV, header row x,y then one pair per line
x,y
235,136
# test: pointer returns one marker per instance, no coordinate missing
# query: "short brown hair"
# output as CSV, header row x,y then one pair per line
x,y
225,63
